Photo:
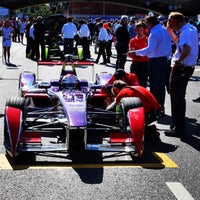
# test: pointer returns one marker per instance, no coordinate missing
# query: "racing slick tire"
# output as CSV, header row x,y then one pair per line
x,y
126,104
15,102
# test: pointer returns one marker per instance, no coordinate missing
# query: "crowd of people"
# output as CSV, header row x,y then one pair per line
x,y
146,41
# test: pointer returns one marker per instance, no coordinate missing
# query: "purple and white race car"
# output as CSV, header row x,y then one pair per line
x,y
61,115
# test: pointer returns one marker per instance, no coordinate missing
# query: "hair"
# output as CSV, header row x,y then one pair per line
x,y
39,18
69,19
100,24
152,19
178,16
119,84
124,19
119,74
140,24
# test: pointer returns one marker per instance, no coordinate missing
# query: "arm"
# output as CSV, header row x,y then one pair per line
x,y
184,53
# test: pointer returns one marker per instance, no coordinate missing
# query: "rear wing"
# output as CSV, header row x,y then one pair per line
x,y
73,64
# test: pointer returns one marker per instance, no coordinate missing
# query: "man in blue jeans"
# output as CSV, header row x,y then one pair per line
x,y
158,52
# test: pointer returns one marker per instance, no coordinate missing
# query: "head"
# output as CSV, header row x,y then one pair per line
x,y
176,20
132,20
7,22
39,19
151,21
100,24
82,21
69,19
119,74
140,28
118,85
124,20
69,81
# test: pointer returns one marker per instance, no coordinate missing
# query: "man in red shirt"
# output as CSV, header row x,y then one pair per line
x,y
120,90
129,78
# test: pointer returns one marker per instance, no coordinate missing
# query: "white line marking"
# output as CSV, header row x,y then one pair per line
x,y
179,191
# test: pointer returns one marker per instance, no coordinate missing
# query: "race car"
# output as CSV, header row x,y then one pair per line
x,y
65,114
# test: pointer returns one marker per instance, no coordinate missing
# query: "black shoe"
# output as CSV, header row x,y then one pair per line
x,y
96,61
174,133
103,63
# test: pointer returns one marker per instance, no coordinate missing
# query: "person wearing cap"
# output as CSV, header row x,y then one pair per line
x,y
129,78
84,33
122,40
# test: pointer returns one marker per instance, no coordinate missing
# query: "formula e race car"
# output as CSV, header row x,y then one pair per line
x,y
66,114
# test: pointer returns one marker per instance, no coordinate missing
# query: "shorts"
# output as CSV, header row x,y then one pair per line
x,y
6,42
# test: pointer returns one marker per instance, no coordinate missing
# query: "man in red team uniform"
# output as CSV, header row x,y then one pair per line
x,y
121,89
129,78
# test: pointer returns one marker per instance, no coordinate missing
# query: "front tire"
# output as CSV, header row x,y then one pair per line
x,y
15,102
126,104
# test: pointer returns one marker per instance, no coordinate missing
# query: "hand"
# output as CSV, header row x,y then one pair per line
x,y
131,53
177,63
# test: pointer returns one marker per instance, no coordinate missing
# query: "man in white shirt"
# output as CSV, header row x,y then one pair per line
x,y
69,30
158,52
84,34
103,38
182,65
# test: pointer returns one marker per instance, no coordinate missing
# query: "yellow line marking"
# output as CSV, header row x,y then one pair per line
x,y
164,162
4,164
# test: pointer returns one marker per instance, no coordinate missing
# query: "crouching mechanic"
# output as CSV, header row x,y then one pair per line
x,y
121,89
129,78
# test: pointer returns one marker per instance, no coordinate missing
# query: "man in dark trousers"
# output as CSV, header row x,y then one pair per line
x,y
29,43
182,67
39,34
122,42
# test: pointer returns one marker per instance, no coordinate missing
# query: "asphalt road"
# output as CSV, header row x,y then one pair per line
x,y
169,169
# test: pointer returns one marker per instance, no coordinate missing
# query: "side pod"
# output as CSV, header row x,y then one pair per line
x,y
136,118
13,123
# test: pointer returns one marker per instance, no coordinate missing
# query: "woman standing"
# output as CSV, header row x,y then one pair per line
x,y
139,64
7,32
